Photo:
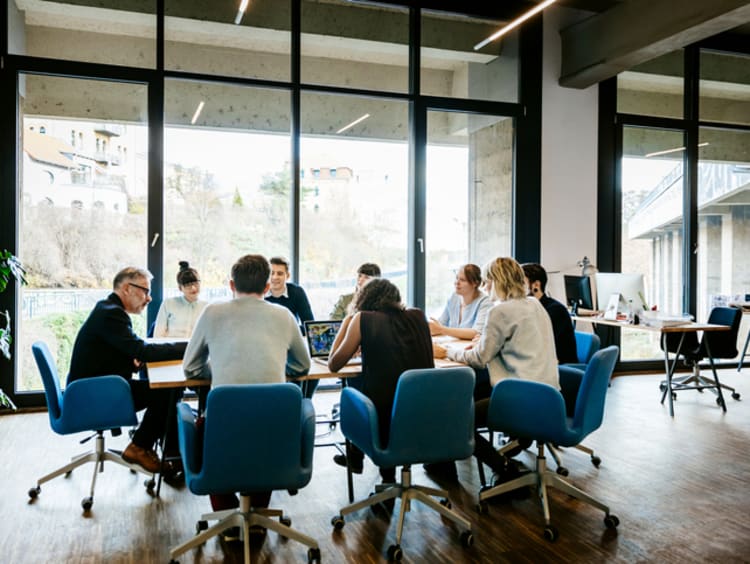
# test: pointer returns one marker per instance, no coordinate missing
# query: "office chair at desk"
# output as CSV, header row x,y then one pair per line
x,y
720,344
432,420
257,438
536,411
96,404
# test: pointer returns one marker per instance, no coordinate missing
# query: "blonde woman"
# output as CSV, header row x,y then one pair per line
x,y
517,342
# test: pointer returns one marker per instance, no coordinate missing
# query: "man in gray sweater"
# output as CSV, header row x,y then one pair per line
x,y
248,341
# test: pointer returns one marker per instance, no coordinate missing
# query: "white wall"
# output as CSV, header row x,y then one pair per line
x,y
569,161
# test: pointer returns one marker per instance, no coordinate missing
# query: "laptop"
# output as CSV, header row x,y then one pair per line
x,y
320,336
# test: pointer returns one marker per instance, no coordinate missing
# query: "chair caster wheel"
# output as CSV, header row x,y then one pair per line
x,y
720,403
735,395
87,502
596,461
149,484
34,492
174,562
200,526
286,521
662,387
467,539
611,521
674,396
562,471
482,508
445,502
395,554
338,522
313,555
68,473
550,533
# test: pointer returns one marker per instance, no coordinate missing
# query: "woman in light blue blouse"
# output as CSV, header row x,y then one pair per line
x,y
177,316
466,311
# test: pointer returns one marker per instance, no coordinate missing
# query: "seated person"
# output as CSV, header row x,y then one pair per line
x,y
286,293
465,313
249,341
177,316
517,342
365,273
106,344
392,339
562,326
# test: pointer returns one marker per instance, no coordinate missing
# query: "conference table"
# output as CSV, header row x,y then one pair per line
x,y
664,330
171,375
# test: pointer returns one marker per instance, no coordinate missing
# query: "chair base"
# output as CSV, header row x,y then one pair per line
x,y
696,381
245,517
543,478
98,457
408,492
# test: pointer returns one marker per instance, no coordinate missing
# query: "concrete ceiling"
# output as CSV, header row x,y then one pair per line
x,y
632,32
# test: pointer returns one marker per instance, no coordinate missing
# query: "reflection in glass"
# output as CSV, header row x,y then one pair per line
x,y
469,196
725,88
83,190
652,226
653,88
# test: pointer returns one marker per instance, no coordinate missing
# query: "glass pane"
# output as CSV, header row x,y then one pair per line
x,y
451,67
725,88
653,88
652,227
83,174
723,221
354,194
231,200
469,196
355,45
216,38
115,33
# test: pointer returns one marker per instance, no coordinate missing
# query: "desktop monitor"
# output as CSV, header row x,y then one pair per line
x,y
629,286
578,292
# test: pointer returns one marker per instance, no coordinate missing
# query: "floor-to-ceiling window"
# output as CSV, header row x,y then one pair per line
x,y
333,133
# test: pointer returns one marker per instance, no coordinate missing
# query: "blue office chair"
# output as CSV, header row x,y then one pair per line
x,y
720,344
257,437
90,404
432,421
571,375
536,411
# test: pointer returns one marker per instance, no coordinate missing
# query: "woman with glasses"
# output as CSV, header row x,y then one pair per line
x,y
177,316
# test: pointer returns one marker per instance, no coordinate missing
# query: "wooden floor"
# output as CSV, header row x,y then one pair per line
x,y
681,488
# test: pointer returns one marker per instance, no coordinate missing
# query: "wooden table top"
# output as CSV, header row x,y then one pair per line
x,y
691,327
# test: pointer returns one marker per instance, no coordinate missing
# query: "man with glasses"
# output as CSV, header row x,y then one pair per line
x,y
106,344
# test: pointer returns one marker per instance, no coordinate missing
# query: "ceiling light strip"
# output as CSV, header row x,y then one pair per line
x,y
352,124
514,24
667,151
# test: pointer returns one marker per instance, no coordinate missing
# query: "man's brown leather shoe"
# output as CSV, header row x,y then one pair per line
x,y
146,459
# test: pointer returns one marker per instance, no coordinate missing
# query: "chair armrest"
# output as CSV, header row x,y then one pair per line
x,y
359,420
308,433
527,409
190,450
98,403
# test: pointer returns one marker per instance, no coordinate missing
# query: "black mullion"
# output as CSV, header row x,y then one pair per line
x,y
724,126
652,122
690,188
296,73
484,107
78,69
417,201
155,213
608,174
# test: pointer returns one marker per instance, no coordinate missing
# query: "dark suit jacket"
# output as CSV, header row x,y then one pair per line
x,y
107,345
562,326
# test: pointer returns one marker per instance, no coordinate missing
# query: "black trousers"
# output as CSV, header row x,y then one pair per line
x,y
483,449
156,403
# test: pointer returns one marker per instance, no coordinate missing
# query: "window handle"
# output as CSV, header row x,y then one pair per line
x,y
154,240
420,242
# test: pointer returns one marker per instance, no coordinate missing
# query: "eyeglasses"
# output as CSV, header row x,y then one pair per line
x,y
147,290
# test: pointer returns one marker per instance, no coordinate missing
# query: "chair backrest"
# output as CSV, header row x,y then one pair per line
x,y
50,379
433,414
253,439
592,393
723,344
586,345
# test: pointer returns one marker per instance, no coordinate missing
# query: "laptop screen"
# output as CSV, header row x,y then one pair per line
x,y
320,336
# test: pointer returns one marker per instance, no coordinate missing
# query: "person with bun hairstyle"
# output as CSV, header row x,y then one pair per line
x,y
177,316
465,314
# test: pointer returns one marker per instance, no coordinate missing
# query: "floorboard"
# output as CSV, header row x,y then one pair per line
x,y
681,488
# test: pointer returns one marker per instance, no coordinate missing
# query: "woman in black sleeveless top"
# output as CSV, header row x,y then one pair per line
x,y
392,339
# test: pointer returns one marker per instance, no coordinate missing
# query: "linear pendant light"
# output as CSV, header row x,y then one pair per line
x,y
514,24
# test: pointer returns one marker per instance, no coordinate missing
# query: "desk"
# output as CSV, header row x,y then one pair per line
x,y
664,331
